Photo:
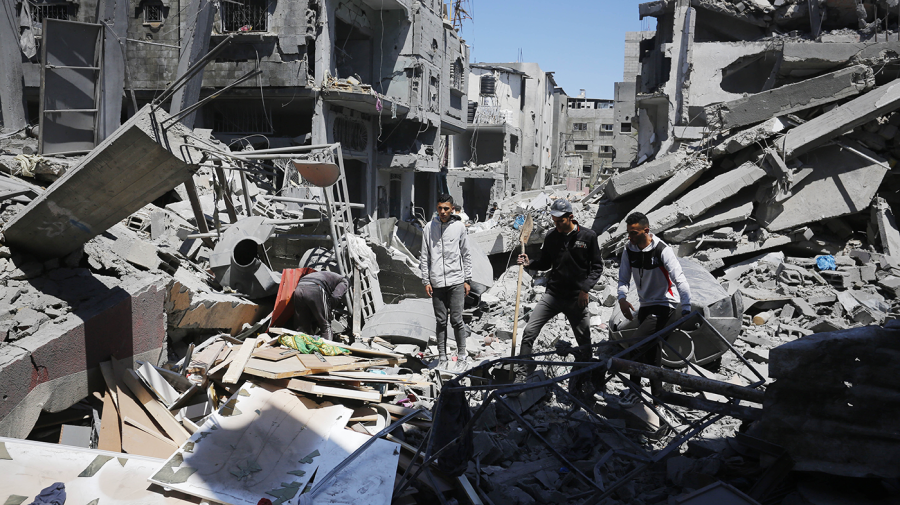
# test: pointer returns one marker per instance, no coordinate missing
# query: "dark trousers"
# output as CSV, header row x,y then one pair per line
x,y
651,353
546,309
449,299
312,310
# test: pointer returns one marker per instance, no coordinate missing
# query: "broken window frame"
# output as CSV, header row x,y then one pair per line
x,y
350,133
581,147
234,21
579,127
64,11
625,128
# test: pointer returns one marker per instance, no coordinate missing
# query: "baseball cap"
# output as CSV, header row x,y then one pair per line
x,y
560,207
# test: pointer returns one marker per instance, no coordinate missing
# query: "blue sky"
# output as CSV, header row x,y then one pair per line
x,y
582,41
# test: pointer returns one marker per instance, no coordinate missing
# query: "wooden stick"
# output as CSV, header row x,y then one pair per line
x,y
240,360
512,354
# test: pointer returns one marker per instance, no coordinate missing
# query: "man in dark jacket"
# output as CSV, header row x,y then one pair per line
x,y
572,255
316,294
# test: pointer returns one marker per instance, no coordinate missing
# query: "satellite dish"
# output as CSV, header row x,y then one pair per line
x,y
319,173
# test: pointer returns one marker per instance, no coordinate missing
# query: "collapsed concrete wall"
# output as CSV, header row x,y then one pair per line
x,y
56,367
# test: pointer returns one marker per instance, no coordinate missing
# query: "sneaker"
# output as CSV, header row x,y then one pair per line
x,y
627,399
437,363
463,364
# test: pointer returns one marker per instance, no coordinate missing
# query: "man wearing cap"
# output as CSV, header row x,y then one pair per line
x,y
572,255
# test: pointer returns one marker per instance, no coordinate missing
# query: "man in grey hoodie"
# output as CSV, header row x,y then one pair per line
x,y
446,266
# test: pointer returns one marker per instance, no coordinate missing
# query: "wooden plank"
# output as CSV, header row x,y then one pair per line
x,y
275,353
372,377
397,410
109,377
206,358
312,388
129,408
365,363
110,427
135,441
150,429
283,369
227,355
313,362
236,368
173,428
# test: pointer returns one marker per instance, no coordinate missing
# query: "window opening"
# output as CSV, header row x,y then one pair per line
x,y
244,15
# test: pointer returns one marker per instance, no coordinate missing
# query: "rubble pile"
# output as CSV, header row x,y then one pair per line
x,y
146,285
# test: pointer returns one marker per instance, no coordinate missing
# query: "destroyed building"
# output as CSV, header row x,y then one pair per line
x,y
510,138
589,133
387,79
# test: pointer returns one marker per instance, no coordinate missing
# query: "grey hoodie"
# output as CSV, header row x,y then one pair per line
x,y
445,259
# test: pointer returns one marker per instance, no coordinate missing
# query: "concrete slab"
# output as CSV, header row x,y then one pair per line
x,y
820,90
717,219
701,199
643,175
841,183
840,120
831,406
135,165
747,138
887,227
56,367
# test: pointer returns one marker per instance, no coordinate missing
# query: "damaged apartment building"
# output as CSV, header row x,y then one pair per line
x,y
775,118
588,138
511,138
385,78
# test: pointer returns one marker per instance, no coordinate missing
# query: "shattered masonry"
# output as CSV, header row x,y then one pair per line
x,y
162,194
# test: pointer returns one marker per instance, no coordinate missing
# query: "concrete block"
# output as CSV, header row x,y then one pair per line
x,y
193,309
701,199
139,253
791,98
883,216
840,120
828,403
841,183
135,165
747,138
58,366
644,175
714,220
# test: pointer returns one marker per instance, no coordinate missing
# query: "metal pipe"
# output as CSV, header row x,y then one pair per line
x,y
312,202
153,43
278,150
252,155
683,379
193,69
728,409
247,206
201,103
213,234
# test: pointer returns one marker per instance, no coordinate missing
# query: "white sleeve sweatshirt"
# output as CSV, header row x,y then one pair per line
x,y
659,278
